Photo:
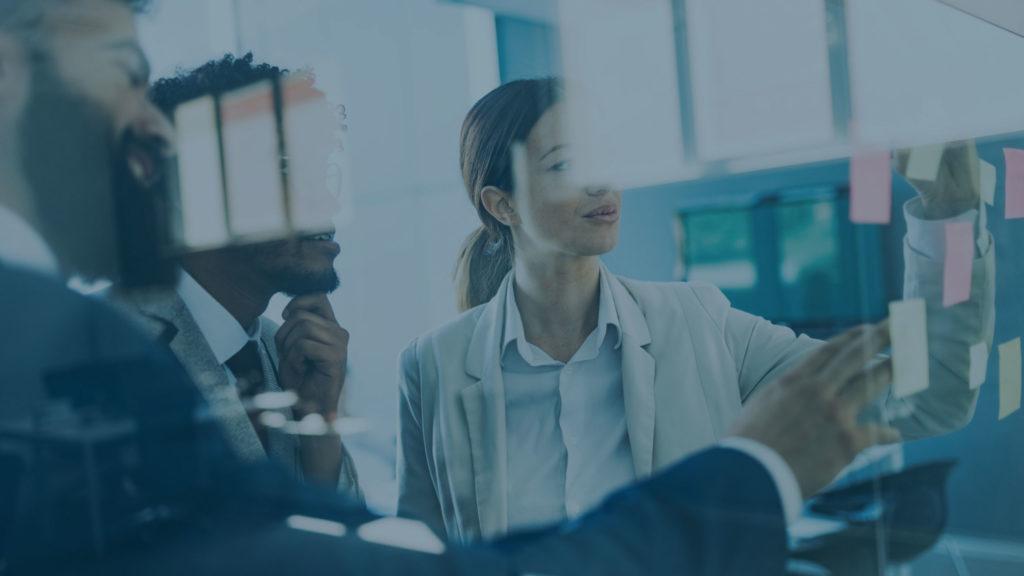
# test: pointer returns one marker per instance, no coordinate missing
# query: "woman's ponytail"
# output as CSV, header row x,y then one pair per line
x,y
484,261
500,119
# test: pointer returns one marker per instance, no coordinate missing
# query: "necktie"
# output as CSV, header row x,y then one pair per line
x,y
248,370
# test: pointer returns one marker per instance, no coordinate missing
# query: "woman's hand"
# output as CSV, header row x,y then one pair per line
x,y
957,187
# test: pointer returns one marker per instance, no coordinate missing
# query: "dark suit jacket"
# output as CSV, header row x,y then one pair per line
x,y
715,513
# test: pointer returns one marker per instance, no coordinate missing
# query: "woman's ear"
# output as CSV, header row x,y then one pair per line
x,y
499,204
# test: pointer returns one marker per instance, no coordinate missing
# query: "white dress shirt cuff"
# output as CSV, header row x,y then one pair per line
x,y
928,237
781,473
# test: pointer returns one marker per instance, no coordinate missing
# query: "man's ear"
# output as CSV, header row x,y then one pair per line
x,y
15,77
499,204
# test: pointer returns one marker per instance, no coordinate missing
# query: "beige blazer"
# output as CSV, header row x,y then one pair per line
x,y
689,361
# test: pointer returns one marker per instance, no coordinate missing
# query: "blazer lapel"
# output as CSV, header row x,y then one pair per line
x,y
484,406
638,372
282,447
190,347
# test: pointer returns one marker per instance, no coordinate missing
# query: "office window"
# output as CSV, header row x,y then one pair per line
x,y
809,264
718,248
790,256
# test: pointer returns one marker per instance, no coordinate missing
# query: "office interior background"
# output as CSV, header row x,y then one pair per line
x,y
736,120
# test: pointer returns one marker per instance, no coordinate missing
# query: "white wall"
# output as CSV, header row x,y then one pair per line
x,y
407,71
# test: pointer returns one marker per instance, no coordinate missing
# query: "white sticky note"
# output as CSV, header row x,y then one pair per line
x,y
988,182
924,162
1009,377
979,365
909,334
203,213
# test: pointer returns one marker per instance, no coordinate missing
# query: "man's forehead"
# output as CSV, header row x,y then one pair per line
x,y
98,21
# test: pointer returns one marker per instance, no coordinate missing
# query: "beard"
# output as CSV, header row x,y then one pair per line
x,y
302,282
281,264
98,219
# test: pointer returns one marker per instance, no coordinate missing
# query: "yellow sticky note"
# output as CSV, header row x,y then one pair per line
x,y
909,334
979,364
924,162
1009,377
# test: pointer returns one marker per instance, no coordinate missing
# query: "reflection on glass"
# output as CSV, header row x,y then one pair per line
x,y
204,221
313,139
252,160
718,249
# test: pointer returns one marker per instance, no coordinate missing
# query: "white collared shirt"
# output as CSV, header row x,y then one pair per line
x,y
22,246
566,423
221,330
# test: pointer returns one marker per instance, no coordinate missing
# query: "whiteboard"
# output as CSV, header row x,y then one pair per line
x,y
922,71
760,76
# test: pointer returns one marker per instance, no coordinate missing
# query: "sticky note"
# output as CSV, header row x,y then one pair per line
x,y
909,334
1014,186
870,188
979,365
1009,377
924,162
987,179
956,277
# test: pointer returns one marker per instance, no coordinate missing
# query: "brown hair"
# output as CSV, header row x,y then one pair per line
x,y
503,117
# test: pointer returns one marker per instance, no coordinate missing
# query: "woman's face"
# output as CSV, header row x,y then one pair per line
x,y
555,216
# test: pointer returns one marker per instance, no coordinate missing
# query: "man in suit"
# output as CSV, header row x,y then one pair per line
x,y
213,318
80,142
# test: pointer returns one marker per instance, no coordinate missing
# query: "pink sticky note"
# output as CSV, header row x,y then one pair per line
x,y
1014,183
956,281
870,188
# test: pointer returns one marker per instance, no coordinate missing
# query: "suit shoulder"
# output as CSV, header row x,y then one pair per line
x,y
54,308
423,359
455,330
21,283
697,293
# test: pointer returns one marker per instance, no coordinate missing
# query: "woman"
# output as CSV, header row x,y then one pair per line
x,y
561,381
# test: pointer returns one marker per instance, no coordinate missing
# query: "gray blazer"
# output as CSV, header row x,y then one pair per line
x,y
164,316
689,362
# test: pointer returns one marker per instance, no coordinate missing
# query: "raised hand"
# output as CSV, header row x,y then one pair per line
x,y
957,187
809,415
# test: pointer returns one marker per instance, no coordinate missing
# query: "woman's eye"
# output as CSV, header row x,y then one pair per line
x,y
560,166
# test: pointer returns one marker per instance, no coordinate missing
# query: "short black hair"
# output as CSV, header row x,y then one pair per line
x,y
214,77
